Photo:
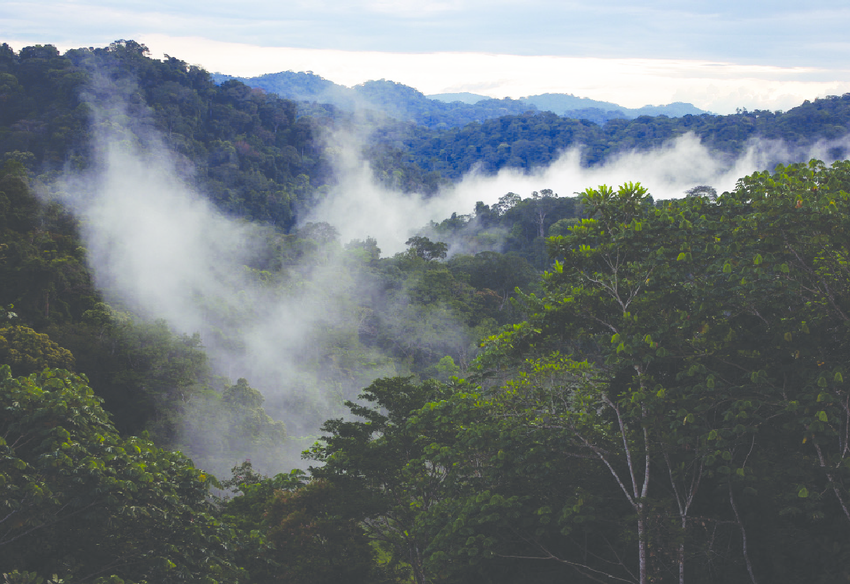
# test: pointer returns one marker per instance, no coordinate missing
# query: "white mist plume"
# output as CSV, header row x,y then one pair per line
x,y
155,244
360,207
161,249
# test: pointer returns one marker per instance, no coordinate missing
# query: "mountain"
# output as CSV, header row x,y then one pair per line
x,y
488,429
564,104
463,97
447,110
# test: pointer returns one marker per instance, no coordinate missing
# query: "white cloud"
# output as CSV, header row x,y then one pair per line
x,y
653,50
713,86
359,208
412,8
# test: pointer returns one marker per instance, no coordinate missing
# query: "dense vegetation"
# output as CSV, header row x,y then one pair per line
x,y
531,140
411,313
246,150
593,388
407,104
393,315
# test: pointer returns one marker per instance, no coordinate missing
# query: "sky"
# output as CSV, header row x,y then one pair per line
x,y
719,55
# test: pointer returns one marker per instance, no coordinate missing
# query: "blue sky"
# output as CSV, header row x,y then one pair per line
x,y
718,55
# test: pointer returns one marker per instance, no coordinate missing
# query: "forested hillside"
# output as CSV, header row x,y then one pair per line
x,y
434,142
533,140
544,388
247,150
404,103
249,155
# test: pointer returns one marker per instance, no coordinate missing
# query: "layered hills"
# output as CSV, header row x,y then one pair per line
x,y
404,103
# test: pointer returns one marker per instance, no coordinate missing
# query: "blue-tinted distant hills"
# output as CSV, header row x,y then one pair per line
x,y
463,97
565,104
447,110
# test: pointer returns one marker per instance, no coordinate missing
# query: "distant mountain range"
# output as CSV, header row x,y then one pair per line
x,y
564,104
446,110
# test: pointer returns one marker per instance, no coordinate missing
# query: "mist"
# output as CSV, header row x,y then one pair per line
x,y
160,250
360,206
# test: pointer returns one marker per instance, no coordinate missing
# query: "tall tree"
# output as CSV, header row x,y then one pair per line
x,y
80,501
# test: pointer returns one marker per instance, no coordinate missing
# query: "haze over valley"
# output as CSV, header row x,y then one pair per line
x,y
269,327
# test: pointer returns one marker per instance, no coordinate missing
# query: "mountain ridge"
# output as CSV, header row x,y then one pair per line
x,y
563,103
406,103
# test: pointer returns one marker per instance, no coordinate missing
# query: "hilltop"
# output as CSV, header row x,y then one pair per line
x,y
405,103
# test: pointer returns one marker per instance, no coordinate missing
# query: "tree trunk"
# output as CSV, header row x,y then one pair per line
x,y
416,565
642,545
682,551
743,536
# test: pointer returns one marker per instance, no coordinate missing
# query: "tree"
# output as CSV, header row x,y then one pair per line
x,y
371,461
219,429
317,540
28,351
81,501
248,511
424,248
689,316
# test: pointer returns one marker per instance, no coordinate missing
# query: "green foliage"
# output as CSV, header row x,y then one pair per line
x,y
316,539
81,501
247,511
426,249
530,139
678,383
247,148
516,227
219,428
677,387
27,351
41,261
690,312
372,463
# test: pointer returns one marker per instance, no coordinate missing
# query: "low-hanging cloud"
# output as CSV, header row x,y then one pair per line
x,y
159,248
359,206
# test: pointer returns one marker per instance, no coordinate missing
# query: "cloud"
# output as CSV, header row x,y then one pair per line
x,y
780,33
360,208
713,86
719,55
160,248
412,8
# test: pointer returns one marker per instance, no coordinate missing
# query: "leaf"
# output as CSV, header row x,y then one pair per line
x,y
822,416
803,493
682,256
